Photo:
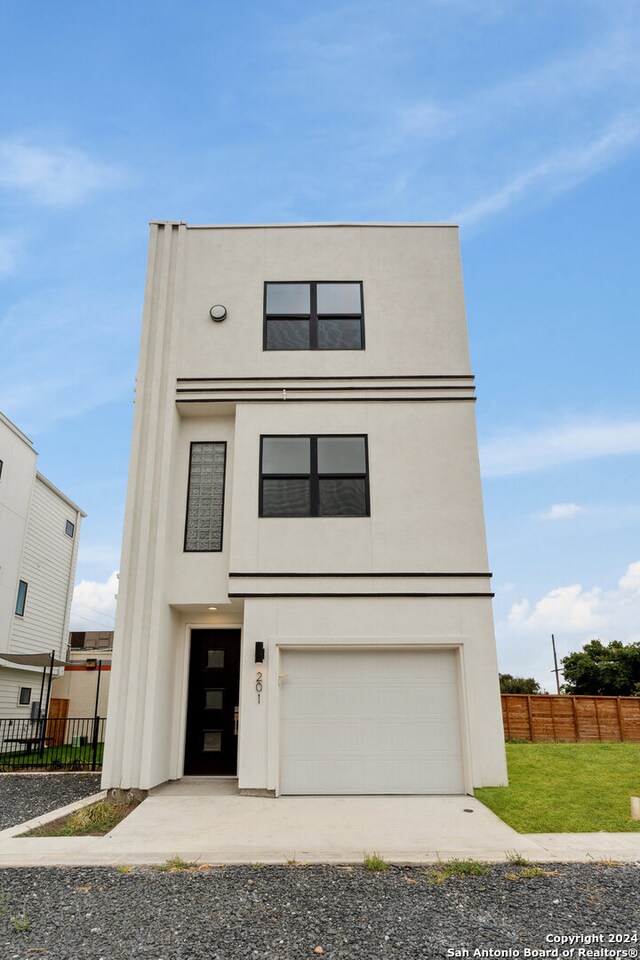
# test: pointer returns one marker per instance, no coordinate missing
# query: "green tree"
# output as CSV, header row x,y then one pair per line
x,y
611,670
509,684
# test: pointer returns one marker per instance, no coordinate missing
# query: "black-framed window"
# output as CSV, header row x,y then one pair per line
x,y
24,697
314,476
70,529
318,315
21,599
205,497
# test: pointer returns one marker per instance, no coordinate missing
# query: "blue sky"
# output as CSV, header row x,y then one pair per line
x,y
518,119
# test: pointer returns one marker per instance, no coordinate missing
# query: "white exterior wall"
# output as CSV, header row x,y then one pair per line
x,y
33,548
11,679
48,567
16,485
410,391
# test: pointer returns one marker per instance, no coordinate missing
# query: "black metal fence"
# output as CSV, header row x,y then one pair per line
x,y
70,743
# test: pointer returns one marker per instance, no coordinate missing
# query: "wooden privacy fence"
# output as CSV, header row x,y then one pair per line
x,y
563,717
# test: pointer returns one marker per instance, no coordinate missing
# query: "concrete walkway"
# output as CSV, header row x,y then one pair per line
x,y
207,821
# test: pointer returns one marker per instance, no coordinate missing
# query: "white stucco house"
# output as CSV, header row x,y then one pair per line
x,y
39,536
305,597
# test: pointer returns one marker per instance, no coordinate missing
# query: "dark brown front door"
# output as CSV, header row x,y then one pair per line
x,y
212,712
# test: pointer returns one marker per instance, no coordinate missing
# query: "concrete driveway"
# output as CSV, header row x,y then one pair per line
x,y
207,821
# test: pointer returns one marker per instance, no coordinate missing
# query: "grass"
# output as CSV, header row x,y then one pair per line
x,y
63,756
375,863
532,872
19,922
176,865
568,787
516,859
447,869
96,819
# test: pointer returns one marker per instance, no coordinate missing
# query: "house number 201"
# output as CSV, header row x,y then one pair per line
x,y
258,684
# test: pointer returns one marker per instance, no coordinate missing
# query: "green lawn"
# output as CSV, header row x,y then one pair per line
x,y
568,787
64,755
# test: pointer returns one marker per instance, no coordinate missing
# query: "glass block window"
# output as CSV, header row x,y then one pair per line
x,y
205,497
319,315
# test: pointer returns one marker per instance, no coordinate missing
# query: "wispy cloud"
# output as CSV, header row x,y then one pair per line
x,y
536,132
560,172
53,176
606,66
9,249
520,452
62,365
562,511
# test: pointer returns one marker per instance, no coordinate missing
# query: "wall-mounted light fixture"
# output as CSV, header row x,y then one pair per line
x,y
218,313
259,651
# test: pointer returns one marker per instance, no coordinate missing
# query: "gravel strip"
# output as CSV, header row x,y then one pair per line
x,y
27,795
230,913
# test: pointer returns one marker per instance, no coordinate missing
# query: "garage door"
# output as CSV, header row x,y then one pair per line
x,y
363,721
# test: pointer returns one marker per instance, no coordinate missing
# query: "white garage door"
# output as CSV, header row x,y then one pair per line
x,y
367,721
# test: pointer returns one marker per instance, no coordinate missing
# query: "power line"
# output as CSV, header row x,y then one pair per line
x,y
86,606
76,616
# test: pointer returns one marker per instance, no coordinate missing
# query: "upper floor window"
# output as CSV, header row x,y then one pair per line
x,y
325,476
319,315
21,599
70,529
205,497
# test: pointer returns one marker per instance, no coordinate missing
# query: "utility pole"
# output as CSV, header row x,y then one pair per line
x,y
555,663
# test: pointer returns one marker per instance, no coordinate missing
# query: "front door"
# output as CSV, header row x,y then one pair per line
x,y
212,712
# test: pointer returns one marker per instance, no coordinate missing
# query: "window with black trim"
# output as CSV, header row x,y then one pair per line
x,y
319,315
24,697
318,476
70,529
21,599
205,498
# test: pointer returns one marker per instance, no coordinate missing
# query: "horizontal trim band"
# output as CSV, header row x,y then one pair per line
x,y
360,575
304,226
251,596
384,376
82,666
326,400
323,389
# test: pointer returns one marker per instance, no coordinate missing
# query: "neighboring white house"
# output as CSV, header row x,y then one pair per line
x,y
304,595
39,534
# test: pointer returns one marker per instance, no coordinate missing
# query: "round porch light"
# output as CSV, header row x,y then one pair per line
x,y
218,313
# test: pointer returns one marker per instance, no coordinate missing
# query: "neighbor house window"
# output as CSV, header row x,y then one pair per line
x,y
24,698
70,529
321,476
319,315
21,599
205,497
